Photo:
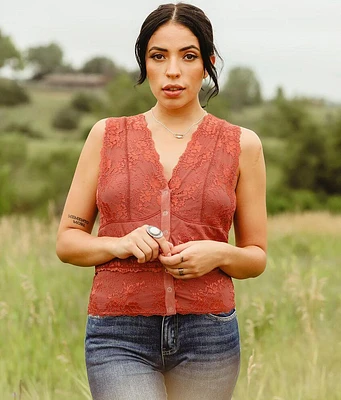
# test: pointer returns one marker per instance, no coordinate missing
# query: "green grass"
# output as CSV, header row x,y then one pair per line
x,y
289,317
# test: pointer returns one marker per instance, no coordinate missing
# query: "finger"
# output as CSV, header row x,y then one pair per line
x,y
165,246
180,273
180,247
139,254
149,248
170,261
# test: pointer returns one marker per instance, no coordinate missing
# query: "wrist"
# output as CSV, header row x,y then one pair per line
x,y
111,245
223,253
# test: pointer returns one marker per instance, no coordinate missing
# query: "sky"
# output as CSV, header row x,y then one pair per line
x,y
295,44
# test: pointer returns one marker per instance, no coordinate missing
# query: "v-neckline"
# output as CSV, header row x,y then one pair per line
x,y
167,182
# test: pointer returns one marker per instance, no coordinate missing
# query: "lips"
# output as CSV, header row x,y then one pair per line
x,y
173,91
173,88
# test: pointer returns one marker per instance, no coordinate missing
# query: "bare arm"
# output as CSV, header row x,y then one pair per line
x,y
75,244
248,257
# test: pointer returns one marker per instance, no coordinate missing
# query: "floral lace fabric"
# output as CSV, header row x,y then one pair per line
x,y
197,203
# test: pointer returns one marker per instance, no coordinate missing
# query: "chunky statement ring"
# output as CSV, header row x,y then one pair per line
x,y
154,232
181,271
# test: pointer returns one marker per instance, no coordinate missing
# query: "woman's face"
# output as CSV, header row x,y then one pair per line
x,y
174,66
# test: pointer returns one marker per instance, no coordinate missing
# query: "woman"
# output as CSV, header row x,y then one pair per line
x,y
167,184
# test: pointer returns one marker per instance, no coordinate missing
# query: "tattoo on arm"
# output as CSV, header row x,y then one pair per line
x,y
78,221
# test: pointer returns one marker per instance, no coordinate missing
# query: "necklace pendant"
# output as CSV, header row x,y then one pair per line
x,y
179,135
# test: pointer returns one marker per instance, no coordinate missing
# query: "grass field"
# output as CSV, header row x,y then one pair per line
x,y
290,317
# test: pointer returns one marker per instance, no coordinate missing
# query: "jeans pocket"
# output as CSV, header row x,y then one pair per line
x,y
98,325
224,316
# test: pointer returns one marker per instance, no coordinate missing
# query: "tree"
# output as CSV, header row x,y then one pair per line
x,y
46,59
100,65
124,98
280,96
12,93
9,53
242,88
303,155
332,170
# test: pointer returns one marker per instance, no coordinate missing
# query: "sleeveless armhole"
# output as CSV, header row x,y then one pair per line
x,y
231,137
113,136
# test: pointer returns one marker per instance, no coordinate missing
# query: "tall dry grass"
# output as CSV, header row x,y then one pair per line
x,y
289,317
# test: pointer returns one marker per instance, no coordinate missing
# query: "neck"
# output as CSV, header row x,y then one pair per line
x,y
177,125
178,116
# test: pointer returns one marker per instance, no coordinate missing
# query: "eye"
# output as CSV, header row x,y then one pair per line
x,y
190,56
157,56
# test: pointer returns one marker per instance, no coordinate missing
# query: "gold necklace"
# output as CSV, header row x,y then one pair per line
x,y
175,134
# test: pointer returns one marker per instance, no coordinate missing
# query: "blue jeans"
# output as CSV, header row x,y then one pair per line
x,y
178,357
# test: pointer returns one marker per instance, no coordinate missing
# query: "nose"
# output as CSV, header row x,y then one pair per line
x,y
173,68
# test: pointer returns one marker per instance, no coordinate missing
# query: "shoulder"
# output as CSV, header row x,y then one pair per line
x,y
251,149
112,125
101,126
249,140
98,129
249,143
94,140
105,126
227,132
222,124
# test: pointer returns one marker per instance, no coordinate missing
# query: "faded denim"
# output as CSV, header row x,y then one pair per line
x,y
179,357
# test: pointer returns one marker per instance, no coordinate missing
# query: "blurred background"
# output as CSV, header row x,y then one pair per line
x,y
66,64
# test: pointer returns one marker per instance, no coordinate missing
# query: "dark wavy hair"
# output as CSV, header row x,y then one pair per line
x,y
189,16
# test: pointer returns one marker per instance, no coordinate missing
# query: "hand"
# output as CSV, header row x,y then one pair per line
x,y
194,259
140,244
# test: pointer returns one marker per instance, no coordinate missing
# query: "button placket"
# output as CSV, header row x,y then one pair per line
x,y
165,227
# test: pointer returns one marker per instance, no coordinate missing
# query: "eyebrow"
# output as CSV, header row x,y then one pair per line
x,y
182,49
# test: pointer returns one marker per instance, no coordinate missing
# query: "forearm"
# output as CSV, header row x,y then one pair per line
x,y
80,248
242,262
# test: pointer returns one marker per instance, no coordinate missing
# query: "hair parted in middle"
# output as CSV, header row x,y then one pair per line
x,y
189,16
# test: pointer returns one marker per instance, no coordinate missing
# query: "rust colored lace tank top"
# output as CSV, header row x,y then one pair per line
x,y
197,203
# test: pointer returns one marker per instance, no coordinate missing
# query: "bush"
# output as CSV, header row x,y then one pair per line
x,y
278,202
305,200
6,189
281,200
11,93
334,204
66,119
35,173
24,129
13,156
84,102
51,171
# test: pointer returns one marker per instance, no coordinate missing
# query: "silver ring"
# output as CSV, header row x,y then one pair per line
x,y
154,232
181,271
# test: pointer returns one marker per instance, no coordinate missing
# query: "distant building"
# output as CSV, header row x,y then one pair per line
x,y
75,80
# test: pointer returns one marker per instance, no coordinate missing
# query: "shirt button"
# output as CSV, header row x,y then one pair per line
x,y
165,213
169,289
165,232
165,192
170,309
